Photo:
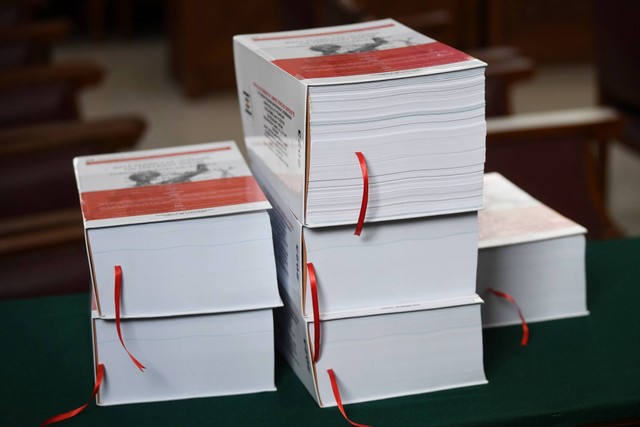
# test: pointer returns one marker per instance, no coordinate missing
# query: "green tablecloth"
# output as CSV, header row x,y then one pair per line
x,y
574,371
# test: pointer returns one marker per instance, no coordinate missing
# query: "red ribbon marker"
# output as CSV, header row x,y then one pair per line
x,y
118,292
73,413
365,193
316,311
336,395
525,327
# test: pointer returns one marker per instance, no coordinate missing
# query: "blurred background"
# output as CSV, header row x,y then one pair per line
x,y
91,76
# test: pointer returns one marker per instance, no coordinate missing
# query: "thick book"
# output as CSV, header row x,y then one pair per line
x,y
185,356
423,348
411,106
188,227
393,264
530,252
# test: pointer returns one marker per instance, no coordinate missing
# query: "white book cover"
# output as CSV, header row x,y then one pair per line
x,y
530,252
413,106
429,347
187,226
185,356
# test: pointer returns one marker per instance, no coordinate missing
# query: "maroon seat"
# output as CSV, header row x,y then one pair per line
x,y
618,63
42,249
25,41
43,254
30,43
45,93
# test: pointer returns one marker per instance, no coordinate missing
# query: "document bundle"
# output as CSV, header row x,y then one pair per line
x,y
412,106
361,236
184,282
530,252
368,140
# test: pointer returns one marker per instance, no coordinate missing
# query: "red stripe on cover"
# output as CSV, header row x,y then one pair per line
x,y
336,395
73,413
525,328
365,193
167,198
156,156
378,61
327,33
316,312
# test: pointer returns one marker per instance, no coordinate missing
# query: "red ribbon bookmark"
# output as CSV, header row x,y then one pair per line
x,y
73,413
365,193
525,327
336,395
316,312
118,292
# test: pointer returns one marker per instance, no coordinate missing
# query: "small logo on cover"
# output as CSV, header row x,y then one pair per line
x,y
247,102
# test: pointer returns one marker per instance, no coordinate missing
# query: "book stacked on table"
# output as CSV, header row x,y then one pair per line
x,y
531,253
415,107
376,129
184,282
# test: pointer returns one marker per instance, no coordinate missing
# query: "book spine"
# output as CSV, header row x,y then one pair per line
x,y
287,242
292,341
274,115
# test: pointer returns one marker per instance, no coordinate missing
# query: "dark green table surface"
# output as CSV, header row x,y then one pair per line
x,y
574,371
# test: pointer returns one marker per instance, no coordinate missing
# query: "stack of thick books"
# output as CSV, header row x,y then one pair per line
x,y
413,106
531,253
184,280
376,129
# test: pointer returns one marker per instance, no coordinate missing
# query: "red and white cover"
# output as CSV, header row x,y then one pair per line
x,y
303,93
511,216
530,253
359,52
165,184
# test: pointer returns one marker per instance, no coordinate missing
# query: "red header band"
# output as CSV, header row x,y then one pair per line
x,y
322,34
167,198
156,156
